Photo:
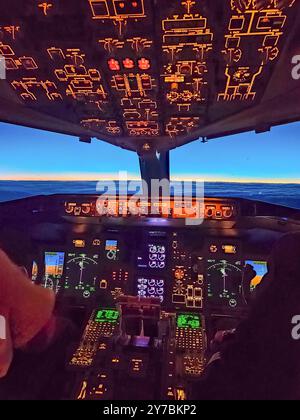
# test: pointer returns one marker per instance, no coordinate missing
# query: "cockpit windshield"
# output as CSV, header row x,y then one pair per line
x,y
262,167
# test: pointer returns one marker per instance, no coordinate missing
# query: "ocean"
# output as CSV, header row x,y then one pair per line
x,y
284,194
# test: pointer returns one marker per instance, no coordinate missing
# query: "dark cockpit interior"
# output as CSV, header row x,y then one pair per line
x,y
148,294
146,291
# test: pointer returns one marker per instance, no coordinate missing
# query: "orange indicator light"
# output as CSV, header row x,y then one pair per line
x,y
144,64
128,63
79,243
229,249
113,64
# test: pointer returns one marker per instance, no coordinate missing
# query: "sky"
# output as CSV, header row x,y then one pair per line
x,y
34,154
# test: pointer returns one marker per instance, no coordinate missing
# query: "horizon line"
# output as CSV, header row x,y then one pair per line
x,y
134,178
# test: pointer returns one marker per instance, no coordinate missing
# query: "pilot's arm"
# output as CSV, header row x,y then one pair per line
x,y
6,346
26,308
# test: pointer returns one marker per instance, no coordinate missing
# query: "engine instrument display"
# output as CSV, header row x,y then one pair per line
x,y
189,320
224,283
81,274
154,256
261,269
151,287
54,269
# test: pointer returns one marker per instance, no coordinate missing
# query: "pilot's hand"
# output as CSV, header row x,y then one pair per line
x,y
220,340
6,346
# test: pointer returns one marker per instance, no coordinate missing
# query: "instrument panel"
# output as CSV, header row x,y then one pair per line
x,y
157,297
148,293
184,270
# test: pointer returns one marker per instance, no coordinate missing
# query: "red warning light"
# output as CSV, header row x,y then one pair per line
x,y
128,63
144,64
113,64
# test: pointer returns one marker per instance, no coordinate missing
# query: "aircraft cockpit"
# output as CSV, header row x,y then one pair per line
x,y
147,294
147,279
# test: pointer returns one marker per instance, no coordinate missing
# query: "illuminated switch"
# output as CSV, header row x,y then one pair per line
x,y
144,64
79,243
6,50
113,65
103,284
137,367
28,63
237,23
115,361
170,393
82,391
180,394
227,211
131,115
10,64
198,303
128,63
94,74
86,208
129,8
232,42
229,249
210,211
61,75
77,211
213,248
127,103
99,8
56,54
200,279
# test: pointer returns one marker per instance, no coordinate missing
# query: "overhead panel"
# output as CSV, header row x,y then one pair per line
x,y
140,73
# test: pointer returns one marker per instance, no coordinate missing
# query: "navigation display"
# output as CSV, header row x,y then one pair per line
x,y
81,274
189,320
224,283
151,287
54,269
153,256
261,269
